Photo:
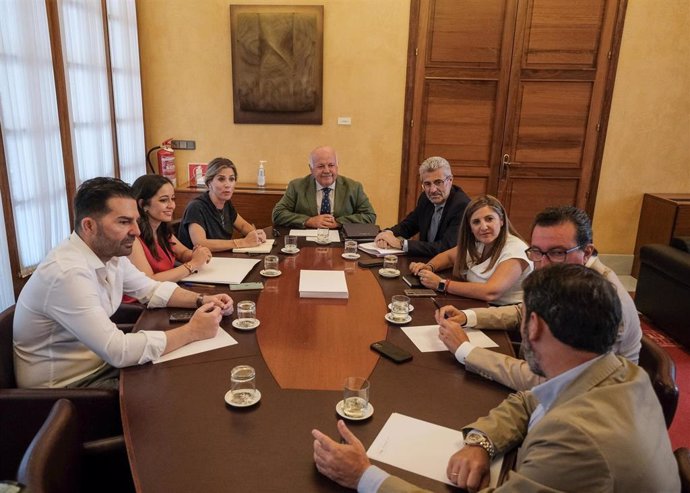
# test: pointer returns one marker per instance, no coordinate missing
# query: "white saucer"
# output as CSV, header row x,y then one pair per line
x,y
367,414
289,252
350,256
228,399
236,324
410,308
266,273
388,317
386,273
327,242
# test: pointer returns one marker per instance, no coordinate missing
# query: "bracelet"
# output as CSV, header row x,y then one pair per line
x,y
445,290
199,300
188,266
431,267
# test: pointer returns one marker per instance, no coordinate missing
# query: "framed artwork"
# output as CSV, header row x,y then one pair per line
x,y
277,63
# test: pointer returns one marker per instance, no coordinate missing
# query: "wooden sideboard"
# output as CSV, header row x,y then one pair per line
x,y
253,203
663,216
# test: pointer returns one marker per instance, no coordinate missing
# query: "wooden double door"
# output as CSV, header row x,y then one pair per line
x,y
515,94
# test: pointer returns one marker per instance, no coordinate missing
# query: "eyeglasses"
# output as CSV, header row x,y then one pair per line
x,y
437,183
556,255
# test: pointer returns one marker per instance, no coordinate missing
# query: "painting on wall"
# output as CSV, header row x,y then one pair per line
x,y
277,63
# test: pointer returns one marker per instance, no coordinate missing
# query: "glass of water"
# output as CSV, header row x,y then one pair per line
x,y
355,397
351,249
243,385
400,308
291,243
390,265
246,314
322,235
271,265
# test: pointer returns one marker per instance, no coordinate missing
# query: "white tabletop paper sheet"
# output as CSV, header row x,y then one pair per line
x,y
222,270
222,339
425,337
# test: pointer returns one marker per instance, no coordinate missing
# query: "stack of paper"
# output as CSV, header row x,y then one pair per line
x,y
263,248
223,271
322,284
372,249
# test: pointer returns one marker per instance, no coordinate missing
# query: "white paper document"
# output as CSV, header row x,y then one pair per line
x,y
222,270
333,234
221,339
263,248
322,284
421,447
425,337
372,249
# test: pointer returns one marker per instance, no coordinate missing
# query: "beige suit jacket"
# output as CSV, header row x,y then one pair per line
x,y
514,372
604,433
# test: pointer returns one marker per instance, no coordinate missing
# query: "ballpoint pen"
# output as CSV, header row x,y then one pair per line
x,y
438,305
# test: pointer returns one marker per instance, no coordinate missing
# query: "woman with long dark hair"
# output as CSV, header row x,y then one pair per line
x,y
157,249
489,262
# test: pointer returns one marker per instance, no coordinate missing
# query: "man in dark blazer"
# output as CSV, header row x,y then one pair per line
x,y
594,425
440,198
323,199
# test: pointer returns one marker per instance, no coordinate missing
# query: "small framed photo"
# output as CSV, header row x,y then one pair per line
x,y
197,172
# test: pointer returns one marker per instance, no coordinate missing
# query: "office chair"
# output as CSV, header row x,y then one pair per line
x,y
662,372
51,463
98,410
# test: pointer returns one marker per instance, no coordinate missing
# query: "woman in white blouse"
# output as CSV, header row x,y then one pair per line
x,y
489,262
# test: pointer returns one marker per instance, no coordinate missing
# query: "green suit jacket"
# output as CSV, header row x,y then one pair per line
x,y
604,433
299,203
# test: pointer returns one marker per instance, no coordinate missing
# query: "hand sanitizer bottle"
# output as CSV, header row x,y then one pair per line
x,y
261,177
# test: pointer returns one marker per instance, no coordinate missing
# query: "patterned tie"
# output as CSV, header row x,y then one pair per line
x,y
326,201
435,221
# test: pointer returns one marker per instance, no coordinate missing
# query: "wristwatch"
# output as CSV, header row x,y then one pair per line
x,y
475,439
441,288
199,300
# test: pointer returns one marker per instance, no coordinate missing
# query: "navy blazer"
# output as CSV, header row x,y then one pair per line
x,y
419,220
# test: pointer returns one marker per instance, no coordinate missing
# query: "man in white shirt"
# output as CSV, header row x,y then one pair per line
x,y
63,336
560,235
594,425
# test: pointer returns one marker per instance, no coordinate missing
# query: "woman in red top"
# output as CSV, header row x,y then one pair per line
x,y
157,248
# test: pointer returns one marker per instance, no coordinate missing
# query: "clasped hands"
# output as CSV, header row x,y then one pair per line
x,y
386,239
345,463
322,221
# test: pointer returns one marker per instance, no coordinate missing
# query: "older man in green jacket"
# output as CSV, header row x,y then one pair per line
x,y
323,199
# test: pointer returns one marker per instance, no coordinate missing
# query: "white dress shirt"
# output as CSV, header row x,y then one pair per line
x,y
62,327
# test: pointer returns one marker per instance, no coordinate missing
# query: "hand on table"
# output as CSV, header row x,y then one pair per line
x,y
255,237
386,239
343,463
451,334
322,221
429,279
222,301
469,468
417,267
200,256
451,313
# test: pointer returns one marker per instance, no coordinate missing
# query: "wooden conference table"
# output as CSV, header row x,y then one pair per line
x,y
181,436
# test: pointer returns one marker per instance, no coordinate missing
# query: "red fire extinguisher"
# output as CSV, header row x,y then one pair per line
x,y
166,162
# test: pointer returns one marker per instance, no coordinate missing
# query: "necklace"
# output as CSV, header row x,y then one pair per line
x,y
222,217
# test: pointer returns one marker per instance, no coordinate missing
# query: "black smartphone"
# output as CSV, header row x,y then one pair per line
x,y
370,262
391,351
412,281
418,293
181,316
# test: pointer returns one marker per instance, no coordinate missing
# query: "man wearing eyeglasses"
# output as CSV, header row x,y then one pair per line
x,y
436,218
559,235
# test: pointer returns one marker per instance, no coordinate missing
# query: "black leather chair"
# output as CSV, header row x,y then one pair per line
x,y
662,372
683,458
22,411
51,463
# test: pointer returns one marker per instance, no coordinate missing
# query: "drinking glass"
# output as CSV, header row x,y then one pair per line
x,y
351,249
246,314
271,265
242,385
400,308
322,235
355,397
390,265
291,243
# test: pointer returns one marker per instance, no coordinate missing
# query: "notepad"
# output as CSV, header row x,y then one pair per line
x,y
263,248
322,284
372,249
222,270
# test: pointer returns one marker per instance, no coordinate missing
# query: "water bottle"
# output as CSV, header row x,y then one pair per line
x,y
261,177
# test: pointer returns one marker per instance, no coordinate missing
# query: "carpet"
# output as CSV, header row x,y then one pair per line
x,y
680,428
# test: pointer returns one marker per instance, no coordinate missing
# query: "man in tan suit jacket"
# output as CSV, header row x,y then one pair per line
x,y
560,234
594,425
